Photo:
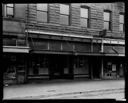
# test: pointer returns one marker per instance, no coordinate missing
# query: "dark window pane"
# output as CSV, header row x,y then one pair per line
x,y
64,9
84,12
84,22
106,16
64,19
9,11
106,25
42,7
121,27
42,16
121,18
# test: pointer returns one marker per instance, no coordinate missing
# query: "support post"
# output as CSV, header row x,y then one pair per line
x,y
102,68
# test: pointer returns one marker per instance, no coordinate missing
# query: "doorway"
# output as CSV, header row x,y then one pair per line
x,y
96,66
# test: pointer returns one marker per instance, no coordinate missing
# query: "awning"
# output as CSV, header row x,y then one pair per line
x,y
114,50
74,53
16,49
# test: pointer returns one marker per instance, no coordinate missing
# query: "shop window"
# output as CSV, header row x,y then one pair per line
x,y
64,14
42,12
121,22
9,10
107,20
84,20
10,67
38,66
81,66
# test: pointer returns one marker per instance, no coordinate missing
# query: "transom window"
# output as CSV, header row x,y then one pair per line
x,y
84,21
107,20
42,12
121,21
64,14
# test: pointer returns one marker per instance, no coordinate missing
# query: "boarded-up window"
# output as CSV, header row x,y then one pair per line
x,y
42,12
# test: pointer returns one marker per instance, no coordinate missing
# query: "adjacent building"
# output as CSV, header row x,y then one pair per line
x,y
63,41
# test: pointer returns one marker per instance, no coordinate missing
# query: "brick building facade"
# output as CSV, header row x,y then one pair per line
x,y
64,41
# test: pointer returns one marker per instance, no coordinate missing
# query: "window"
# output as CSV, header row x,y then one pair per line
x,y
107,21
84,21
121,22
42,12
9,10
64,14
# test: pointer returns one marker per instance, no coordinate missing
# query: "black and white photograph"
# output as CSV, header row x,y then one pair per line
x,y
63,51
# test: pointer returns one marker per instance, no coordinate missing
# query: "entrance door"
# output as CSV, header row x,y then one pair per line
x,y
96,66
59,67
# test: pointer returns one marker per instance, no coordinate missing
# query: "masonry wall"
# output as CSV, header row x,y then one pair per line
x,y
95,19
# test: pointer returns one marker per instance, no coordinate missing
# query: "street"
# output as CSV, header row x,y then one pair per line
x,y
117,94
68,89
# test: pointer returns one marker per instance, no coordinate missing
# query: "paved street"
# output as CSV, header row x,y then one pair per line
x,y
101,94
67,89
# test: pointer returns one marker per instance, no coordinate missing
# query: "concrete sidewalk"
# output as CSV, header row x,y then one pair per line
x,y
58,87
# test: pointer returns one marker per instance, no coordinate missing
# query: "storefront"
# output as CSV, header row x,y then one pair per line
x,y
50,66
114,67
15,64
81,66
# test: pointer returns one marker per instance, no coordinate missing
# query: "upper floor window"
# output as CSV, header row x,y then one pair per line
x,y
84,20
42,12
9,10
64,14
121,22
107,20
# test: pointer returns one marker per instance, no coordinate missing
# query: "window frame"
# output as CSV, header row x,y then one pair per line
x,y
85,18
108,21
6,12
121,23
67,15
43,11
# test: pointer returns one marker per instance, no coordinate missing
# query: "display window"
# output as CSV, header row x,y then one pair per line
x,y
81,66
38,65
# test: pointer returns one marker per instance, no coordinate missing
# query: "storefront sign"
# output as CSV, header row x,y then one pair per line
x,y
15,49
108,41
114,42
121,42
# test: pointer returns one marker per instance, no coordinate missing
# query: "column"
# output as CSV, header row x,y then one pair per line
x,y
102,68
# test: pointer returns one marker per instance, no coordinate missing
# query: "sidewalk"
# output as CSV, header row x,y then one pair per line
x,y
59,87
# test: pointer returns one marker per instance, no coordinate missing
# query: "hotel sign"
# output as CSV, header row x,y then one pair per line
x,y
109,41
